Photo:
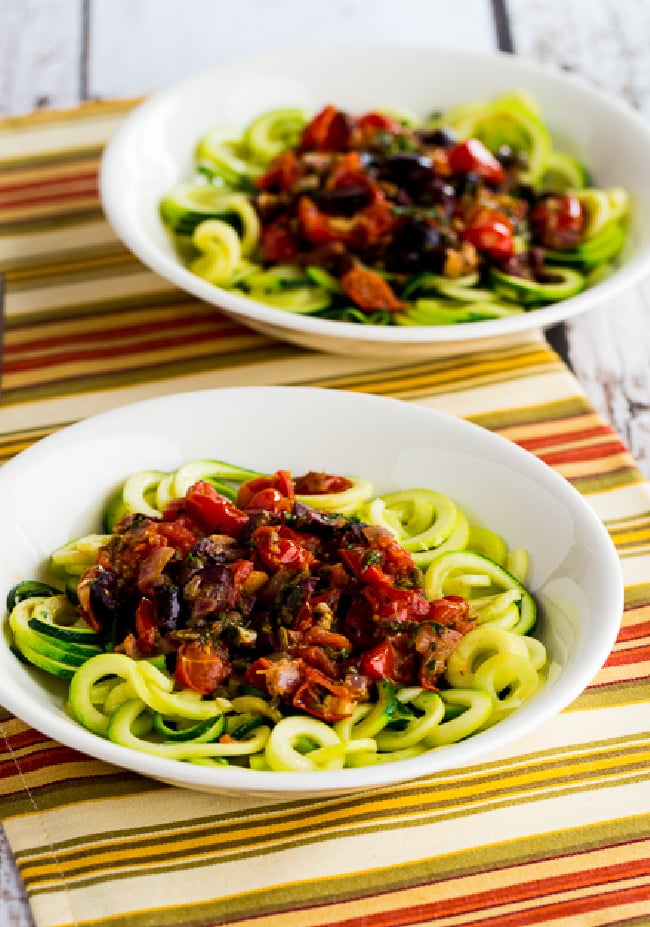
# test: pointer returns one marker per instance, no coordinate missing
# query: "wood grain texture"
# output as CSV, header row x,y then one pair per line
x,y
161,41
609,348
40,54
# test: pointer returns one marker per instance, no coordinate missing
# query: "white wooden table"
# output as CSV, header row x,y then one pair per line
x,y
54,53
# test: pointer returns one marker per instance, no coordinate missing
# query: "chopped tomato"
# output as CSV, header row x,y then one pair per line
x,y
396,560
375,120
380,564
453,611
278,241
323,638
491,232
329,130
255,675
213,512
313,483
145,625
200,667
369,291
348,171
558,221
319,228
280,548
278,677
395,606
379,662
373,222
270,493
317,658
323,698
281,174
472,157
175,511
179,536
269,500
405,671
435,643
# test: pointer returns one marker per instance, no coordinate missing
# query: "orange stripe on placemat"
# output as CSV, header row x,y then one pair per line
x,y
533,891
635,622
482,894
632,632
195,319
610,446
629,656
61,190
38,180
25,737
612,676
565,437
126,350
54,755
86,205
565,910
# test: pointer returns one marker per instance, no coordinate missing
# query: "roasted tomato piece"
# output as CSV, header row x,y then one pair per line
x,y
145,625
348,171
396,560
394,605
375,120
268,493
281,174
375,221
179,536
212,512
323,698
435,643
319,228
382,563
329,130
453,611
315,483
472,157
280,548
558,221
279,677
278,241
491,233
330,639
369,291
379,661
201,667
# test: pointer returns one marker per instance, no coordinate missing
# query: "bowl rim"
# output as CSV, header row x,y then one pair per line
x,y
542,707
250,312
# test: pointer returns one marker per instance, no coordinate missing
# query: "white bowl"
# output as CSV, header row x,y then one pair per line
x,y
53,492
152,151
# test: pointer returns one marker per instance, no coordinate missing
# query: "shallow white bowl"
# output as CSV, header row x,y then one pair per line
x,y
54,491
152,151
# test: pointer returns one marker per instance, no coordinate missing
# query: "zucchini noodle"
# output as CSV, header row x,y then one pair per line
x,y
493,668
273,132
222,156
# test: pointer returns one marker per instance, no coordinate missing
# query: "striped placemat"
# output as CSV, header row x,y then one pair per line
x,y
555,830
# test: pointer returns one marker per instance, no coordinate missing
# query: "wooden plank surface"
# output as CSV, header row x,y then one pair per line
x,y
605,41
56,52
41,54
